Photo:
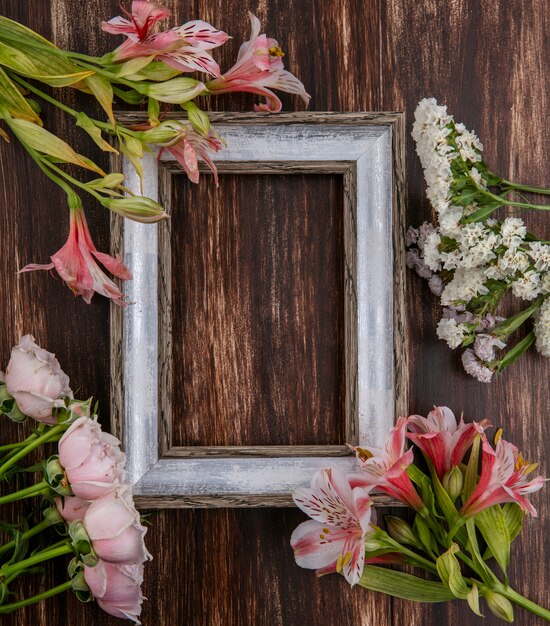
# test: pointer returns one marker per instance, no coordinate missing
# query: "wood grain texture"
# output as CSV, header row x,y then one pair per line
x,y
262,337
489,61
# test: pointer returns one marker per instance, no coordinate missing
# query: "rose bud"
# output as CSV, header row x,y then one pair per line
x,y
116,588
91,458
36,381
71,508
115,529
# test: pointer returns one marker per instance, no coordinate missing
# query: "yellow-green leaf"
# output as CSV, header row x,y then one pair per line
x,y
84,122
130,67
448,569
499,606
175,91
493,527
156,71
473,600
103,93
403,585
15,59
14,100
47,143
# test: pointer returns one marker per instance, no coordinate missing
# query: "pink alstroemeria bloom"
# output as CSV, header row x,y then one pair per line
x,y
190,147
259,68
141,20
334,539
184,48
503,479
76,265
386,470
442,440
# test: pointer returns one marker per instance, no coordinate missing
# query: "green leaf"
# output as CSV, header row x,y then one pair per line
x,y
471,476
103,93
43,141
84,122
514,353
14,100
198,119
473,600
473,547
130,96
483,213
422,531
514,519
492,525
16,60
11,30
133,66
448,569
403,585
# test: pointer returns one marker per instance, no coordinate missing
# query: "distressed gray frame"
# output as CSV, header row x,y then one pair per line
x,y
367,149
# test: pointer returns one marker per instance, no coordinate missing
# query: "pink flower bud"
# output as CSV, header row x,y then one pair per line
x,y
71,508
116,588
114,526
91,459
36,381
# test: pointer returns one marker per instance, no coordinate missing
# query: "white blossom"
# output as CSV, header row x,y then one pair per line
x,y
542,328
465,285
513,260
477,178
512,232
527,286
540,253
451,332
432,256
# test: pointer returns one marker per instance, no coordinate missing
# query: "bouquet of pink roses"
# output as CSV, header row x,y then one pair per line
x,y
466,514
81,493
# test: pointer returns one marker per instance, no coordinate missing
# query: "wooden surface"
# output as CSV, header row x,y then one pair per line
x,y
489,61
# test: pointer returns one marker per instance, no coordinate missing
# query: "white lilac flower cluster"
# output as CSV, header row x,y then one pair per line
x,y
471,261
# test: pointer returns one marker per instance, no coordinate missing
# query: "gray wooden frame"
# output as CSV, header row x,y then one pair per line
x,y
367,149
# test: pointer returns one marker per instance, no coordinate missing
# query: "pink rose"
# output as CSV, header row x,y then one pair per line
x,y
115,528
91,459
71,508
36,381
116,588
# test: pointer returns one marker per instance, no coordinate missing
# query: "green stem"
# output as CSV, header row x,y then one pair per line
x,y
45,438
29,492
8,608
35,530
524,602
529,188
40,557
522,205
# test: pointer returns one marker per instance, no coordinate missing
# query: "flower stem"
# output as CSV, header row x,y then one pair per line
x,y
8,608
41,488
35,530
40,557
528,188
524,602
45,438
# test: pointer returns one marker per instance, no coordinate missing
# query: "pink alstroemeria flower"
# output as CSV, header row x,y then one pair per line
x,y
76,265
184,48
503,479
442,440
386,470
190,147
334,539
259,68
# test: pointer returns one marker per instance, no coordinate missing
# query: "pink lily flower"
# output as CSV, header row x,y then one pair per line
x,y
441,439
190,146
386,470
76,265
259,68
334,539
503,479
184,48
